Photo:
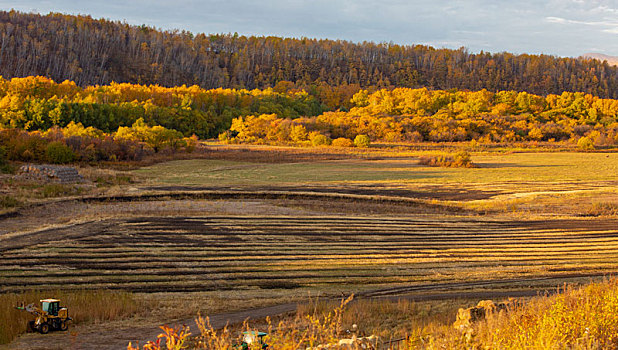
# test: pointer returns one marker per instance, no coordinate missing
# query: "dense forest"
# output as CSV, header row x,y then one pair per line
x,y
286,115
417,115
39,103
90,52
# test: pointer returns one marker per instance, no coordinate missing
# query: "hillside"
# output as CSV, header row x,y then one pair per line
x,y
601,57
97,51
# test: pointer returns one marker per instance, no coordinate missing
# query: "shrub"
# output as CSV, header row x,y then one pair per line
x,y
8,202
298,133
362,141
460,160
3,160
342,142
585,143
4,164
156,137
603,208
318,139
59,153
57,190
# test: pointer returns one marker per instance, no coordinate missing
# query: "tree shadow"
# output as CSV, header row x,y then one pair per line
x,y
512,165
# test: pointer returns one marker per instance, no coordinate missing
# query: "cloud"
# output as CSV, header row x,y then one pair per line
x,y
611,26
570,21
606,9
556,20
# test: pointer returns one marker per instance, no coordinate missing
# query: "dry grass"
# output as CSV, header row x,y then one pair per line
x,y
84,306
576,318
603,209
388,319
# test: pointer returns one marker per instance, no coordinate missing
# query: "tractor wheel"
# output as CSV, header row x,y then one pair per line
x,y
64,326
31,326
44,328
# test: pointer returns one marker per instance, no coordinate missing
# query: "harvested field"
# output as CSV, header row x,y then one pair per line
x,y
366,255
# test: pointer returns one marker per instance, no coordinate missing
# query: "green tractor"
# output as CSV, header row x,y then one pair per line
x,y
253,337
47,317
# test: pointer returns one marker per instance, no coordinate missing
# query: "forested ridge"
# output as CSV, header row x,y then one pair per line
x,y
96,51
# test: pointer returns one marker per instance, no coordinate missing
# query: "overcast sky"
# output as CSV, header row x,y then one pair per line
x,y
558,27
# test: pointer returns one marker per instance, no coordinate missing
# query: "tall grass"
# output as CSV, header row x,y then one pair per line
x,y
84,306
322,323
387,318
576,318
585,317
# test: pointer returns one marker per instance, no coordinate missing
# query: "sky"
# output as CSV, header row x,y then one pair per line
x,y
556,27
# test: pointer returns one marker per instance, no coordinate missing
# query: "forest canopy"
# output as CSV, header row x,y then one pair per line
x,y
91,51
39,103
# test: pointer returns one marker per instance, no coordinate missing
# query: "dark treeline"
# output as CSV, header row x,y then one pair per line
x,y
89,51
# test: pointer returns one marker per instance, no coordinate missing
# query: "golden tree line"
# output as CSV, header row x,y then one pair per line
x,y
39,103
288,114
416,115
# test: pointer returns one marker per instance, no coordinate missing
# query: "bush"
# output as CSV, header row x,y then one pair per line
x,y
460,160
342,142
362,141
585,143
225,137
59,153
3,159
8,202
57,190
318,139
4,163
603,208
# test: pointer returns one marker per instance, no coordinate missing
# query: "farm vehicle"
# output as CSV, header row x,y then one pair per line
x,y
50,315
251,339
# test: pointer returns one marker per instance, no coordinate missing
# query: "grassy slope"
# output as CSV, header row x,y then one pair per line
x,y
546,167
541,183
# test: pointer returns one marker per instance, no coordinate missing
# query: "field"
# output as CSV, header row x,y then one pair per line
x,y
224,234
328,254
542,168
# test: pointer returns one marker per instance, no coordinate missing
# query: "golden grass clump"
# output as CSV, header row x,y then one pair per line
x,y
459,160
84,306
603,209
576,318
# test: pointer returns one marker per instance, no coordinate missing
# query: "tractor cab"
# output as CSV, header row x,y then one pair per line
x,y
51,306
253,337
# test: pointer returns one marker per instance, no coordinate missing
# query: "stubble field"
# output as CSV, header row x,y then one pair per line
x,y
216,235
329,254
